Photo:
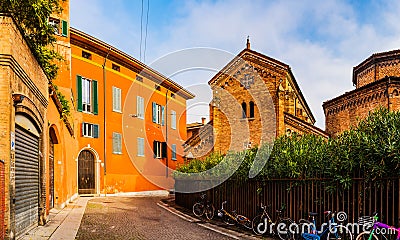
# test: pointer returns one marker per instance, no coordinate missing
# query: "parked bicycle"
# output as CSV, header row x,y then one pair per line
x,y
233,218
375,232
332,230
204,207
262,224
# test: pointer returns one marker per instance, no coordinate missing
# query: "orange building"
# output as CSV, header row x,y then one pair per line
x,y
131,120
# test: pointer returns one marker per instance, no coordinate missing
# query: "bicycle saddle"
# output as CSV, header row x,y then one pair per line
x,y
313,214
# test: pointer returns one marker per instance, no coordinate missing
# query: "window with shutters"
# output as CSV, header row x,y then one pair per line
x,y
64,28
140,150
117,143
55,23
90,130
160,149
173,119
158,114
87,95
173,146
116,99
140,107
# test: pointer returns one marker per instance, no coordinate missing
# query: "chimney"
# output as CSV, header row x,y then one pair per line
x,y
248,42
203,120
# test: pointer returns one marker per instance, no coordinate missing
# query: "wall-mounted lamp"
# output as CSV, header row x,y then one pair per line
x,y
18,98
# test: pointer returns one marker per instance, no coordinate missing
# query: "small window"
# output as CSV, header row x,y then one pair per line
x,y
116,67
86,55
140,107
251,109
244,110
55,23
172,95
117,143
90,130
116,99
160,149
158,114
157,87
173,119
140,151
173,146
139,78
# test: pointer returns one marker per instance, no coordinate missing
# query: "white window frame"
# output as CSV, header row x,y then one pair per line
x,y
173,119
158,152
56,24
140,145
116,92
117,149
87,130
173,154
86,95
140,107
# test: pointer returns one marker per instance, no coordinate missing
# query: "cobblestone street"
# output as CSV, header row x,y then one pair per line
x,y
137,218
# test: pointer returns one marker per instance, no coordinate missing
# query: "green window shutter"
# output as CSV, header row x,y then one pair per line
x,y
64,28
164,150
154,112
173,151
95,98
155,149
79,92
96,131
162,115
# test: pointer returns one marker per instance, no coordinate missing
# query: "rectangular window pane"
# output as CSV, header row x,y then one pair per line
x,y
116,99
140,151
140,107
173,119
117,143
86,94
173,151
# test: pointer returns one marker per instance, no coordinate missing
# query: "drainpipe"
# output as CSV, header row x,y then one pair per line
x,y
166,133
105,121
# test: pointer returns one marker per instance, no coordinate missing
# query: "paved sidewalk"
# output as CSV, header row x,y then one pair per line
x,y
63,224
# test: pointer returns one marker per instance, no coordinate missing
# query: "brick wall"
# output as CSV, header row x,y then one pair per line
x,y
347,110
2,200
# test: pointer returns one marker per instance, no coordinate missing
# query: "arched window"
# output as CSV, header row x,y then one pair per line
x,y
244,110
251,109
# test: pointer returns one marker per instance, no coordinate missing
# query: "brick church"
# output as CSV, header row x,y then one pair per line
x,y
377,82
255,99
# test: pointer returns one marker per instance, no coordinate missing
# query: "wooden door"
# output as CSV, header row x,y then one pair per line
x,y
86,176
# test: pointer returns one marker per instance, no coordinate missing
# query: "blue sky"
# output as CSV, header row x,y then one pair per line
x,y
321,40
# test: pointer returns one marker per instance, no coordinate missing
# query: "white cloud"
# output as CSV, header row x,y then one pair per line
x,y
320,40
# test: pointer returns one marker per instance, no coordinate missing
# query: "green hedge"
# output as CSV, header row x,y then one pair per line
x,y
370,151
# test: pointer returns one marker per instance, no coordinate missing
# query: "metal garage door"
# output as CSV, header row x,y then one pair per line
x,y
26,180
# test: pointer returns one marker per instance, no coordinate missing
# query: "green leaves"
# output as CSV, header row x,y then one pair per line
x,y
32,17
370,151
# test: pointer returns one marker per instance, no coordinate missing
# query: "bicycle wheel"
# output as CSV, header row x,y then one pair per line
x,y
365,236
209,211
283,229
228,221
244,221
259,225
339,233
198,209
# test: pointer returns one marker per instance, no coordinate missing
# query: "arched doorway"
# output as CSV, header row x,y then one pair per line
x,y
86,173
53,140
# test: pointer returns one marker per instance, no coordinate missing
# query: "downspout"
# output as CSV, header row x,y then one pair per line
x,y
105,121
166,133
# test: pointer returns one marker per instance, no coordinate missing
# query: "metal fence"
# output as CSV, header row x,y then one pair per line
x,y
301,197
